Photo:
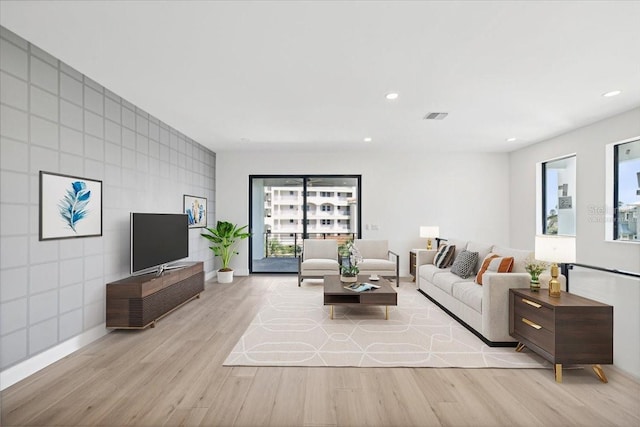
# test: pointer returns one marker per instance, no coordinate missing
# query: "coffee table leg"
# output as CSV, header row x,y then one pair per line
x,y
386,312
331,312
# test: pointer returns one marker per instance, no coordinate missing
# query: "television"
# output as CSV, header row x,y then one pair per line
x,y
157,239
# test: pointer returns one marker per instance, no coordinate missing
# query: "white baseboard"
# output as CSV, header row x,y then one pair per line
x,y
22,370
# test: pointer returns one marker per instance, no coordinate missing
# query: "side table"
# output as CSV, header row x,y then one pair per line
x,y
413,254
567,330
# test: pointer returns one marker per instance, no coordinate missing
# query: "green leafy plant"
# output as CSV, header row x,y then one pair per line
x,y
224,239
535,267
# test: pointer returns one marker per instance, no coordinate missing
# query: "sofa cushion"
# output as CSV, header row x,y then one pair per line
x,y
482,249
470,294
444,256
427,271
519,256
494,263
464,264
446,281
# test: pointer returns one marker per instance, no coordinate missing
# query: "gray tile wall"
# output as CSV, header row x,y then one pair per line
x,y
55,119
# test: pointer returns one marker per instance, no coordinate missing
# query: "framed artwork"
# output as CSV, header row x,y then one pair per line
x,y
69,206
196,209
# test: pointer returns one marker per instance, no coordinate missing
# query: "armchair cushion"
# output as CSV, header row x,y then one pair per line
x,y
320,264
373,249
376,264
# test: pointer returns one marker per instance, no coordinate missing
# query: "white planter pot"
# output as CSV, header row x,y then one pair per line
x,y
225,276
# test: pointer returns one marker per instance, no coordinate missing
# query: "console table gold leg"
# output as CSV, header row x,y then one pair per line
x,y
558,370
520,347
331,312
386,312
600,373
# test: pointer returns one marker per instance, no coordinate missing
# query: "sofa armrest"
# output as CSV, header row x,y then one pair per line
x,y
425,256
495,302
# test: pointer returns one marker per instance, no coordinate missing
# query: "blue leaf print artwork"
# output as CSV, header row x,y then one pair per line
x,y
73,206
200,213
190,214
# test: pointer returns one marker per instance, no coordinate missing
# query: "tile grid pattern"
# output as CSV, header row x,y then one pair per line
x,y
53,118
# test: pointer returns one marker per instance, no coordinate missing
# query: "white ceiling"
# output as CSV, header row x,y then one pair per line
x,y
266,75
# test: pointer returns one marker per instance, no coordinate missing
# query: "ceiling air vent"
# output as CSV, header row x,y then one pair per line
x,y
436,116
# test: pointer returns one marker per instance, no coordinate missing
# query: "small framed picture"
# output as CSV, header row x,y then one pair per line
x,y
196,209
70,206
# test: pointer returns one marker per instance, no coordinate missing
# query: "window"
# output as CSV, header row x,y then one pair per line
x,y
559,196
286,209
626,190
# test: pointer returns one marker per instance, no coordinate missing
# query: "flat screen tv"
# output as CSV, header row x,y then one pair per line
x,y
157,240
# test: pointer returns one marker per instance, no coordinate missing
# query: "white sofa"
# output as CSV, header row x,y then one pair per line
x,y
483,308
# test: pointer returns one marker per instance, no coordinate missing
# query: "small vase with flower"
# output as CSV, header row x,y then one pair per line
x,y
535,267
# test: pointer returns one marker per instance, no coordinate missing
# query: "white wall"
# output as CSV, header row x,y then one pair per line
x,y
589,145
466,194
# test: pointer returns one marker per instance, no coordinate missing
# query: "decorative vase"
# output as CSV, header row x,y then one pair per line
x,y
534,284
348,279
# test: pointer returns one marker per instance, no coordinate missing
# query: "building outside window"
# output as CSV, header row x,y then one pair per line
x,y
309,206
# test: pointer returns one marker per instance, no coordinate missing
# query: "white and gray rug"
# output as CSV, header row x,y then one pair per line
x,y
293,329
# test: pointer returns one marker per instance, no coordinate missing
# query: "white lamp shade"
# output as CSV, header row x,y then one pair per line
x,y
558,249
429,231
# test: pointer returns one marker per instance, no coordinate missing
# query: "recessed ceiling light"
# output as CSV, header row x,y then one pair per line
x,y
367,139
612,93
512,139
392,95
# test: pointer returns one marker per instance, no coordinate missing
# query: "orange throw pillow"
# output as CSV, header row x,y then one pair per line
x,y
495,263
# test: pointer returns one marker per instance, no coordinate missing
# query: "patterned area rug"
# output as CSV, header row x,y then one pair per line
x,y
294,329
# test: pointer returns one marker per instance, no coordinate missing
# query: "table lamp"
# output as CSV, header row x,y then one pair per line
x,y
556,250
430,232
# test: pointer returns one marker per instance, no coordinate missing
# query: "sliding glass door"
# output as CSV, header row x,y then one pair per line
x,y
286,209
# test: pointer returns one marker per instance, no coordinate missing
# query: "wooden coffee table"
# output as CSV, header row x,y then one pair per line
x,y
336,294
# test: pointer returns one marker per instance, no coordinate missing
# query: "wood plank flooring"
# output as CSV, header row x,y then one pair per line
x,y
172,375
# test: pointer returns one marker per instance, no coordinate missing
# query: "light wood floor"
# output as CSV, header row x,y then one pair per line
x,y
173,375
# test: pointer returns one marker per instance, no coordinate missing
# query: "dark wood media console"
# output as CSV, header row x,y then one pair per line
x,y
137,302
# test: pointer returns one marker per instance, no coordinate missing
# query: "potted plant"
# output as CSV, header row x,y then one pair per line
x,y
349,270
224,239
535,268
